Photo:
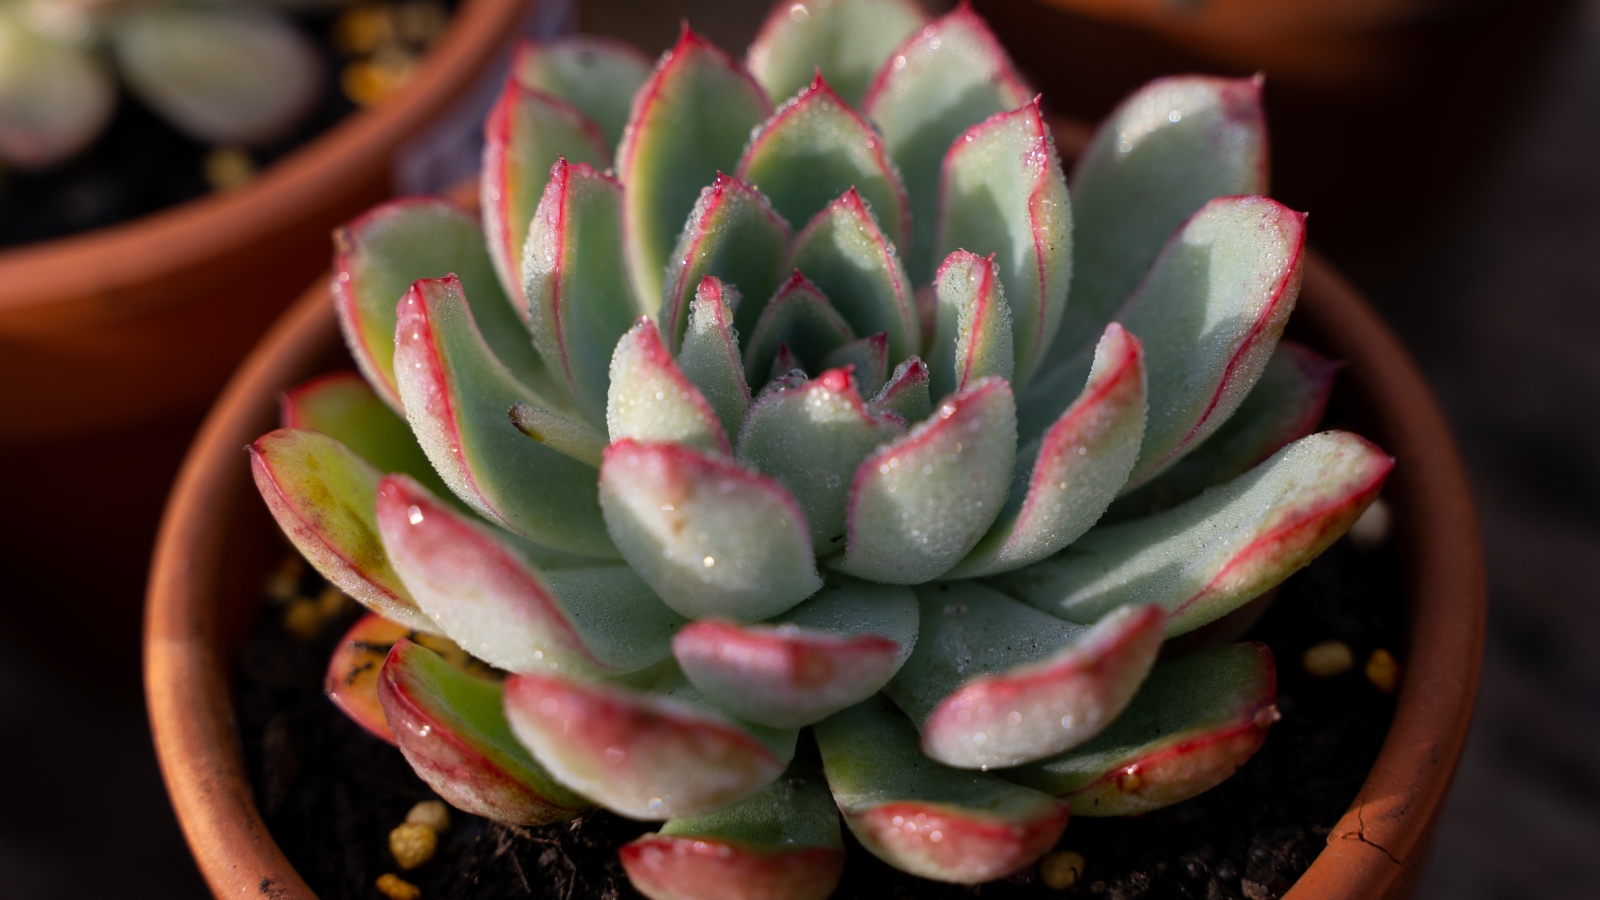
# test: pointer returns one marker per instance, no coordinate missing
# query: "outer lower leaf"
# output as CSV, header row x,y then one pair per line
x,y
867,358
651,400
974,337
594,74
924,818
526,133
1074,471
711,537
54,97
798,317
351,681
575,279
734,234
344,407
322,496
832,651
1002,192
451,729
1166,150
846,41
844,252
1193,723
781,844
1211,555
944,79
689,121
710,354
379,255
814,148
456,397
918,505
811,438
906,393
644,756
995,683
486,594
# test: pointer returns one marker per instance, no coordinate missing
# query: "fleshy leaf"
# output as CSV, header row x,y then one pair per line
x,y
689,121
526,133
974,336
710,354
832,651
786,368
1065,480
1218,551
734,234
651,400
644,756
1173,145
920,504
482,590
800,317
322,495
906,392
344,407
451,729
351,681
1002,192
996,683
811,438
844,252
1193,723
565,435
456,398
379,255
846,40
814,148
711,537
924,818
944,79
867,357
576,281
594,74
55,97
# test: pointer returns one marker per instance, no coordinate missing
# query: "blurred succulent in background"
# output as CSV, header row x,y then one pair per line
x,y
781,415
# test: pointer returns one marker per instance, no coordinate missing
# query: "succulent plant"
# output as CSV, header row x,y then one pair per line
x,y
802,409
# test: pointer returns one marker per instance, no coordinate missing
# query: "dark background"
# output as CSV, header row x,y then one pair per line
x,y
1458,186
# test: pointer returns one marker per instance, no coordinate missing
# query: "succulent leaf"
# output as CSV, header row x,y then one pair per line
x,y
597,76
711,537
568,436
526,133
1211,555
1165,151
924,818
734,234
55,96
689,121
845,254
906,392
844,40
832,651
1193,723
1065,480
575,279
322,495
867,358
450,727
351,681
800,318
652,400
644,756
944,79
814,148
810,438
344,407
974,336
710,356
920,504
456,397
1002,193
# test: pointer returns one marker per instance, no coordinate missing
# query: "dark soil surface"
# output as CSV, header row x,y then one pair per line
x,y
331,793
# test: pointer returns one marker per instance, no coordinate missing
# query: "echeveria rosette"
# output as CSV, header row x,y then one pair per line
x,y
696,491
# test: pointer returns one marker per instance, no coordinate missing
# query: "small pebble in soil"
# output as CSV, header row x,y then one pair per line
x,y
1328,659
228,169
413,844
1383,671
284,582
396,888
432,813
1061,869
1372,528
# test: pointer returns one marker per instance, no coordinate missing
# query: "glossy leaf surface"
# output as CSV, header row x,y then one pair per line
x,y
344,407
844,252
906,393
596,75
733,233
710,356
974,336
846,40
652,400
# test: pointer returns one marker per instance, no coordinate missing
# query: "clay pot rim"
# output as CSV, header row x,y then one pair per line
x,y
74,281
1374,850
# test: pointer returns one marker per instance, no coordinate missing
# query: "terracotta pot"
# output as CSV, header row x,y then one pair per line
x,y
217,543
131,322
